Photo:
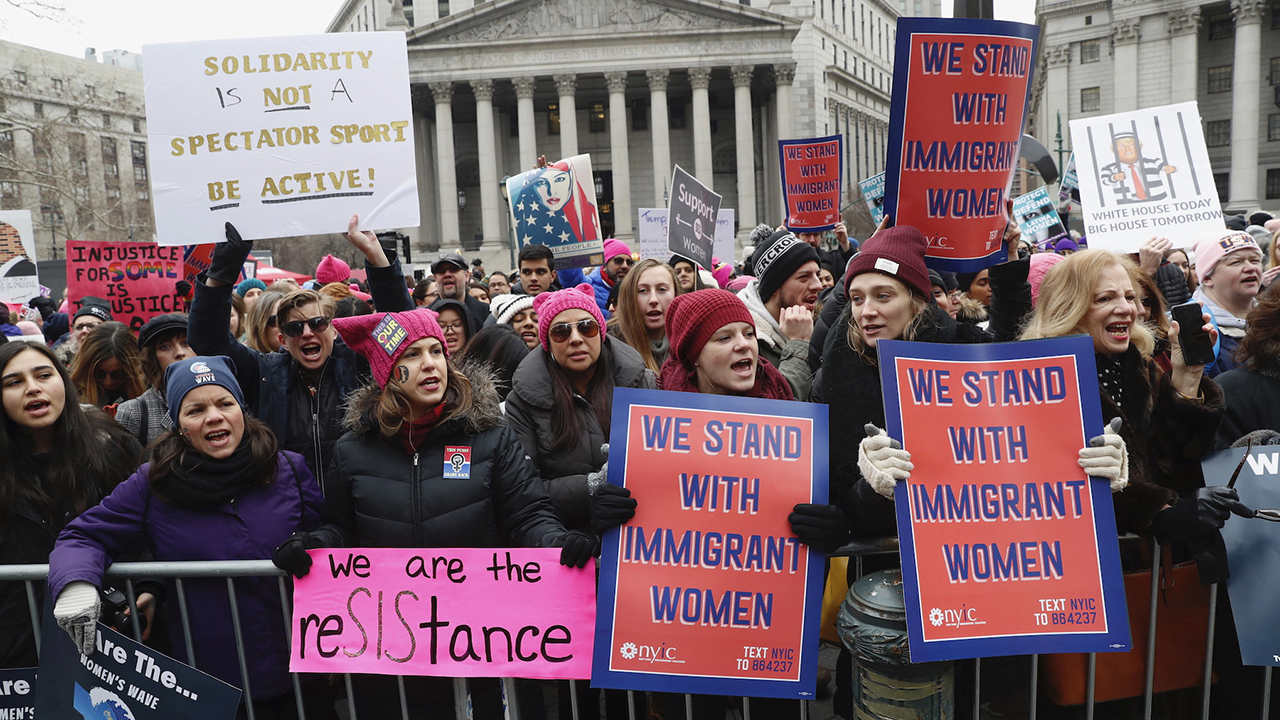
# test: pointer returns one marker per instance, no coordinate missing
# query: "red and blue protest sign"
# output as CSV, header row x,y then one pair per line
x,y
812,173
960,89
1008,548
706,590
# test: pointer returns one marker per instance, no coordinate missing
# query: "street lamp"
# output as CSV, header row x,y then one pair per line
x,y
462,199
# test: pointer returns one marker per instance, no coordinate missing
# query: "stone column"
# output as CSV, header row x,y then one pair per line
x,y
1057,93
1183,46
621,154
1124,41
660,125
428,229
567,85
446,165
524,121
1245,110
745,142
490,199
700,79
785,73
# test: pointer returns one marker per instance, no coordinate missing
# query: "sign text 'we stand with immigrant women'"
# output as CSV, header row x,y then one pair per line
x,y
706,589
949,169
1008,547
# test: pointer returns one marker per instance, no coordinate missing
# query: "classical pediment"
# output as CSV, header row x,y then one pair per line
x,y
530,19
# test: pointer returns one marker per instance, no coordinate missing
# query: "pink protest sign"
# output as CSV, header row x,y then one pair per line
x,y
450,612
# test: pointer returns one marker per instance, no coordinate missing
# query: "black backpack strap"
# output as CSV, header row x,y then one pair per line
x,y
146,423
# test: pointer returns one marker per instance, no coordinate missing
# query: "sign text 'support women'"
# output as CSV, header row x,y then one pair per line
x,y
1007,546
706,590
280,136
448,612
812,180
959,102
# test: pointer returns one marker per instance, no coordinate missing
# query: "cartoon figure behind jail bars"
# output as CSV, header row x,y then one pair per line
x,y
1133,178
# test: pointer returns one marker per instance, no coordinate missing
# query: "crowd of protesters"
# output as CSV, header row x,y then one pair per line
x,y
270,420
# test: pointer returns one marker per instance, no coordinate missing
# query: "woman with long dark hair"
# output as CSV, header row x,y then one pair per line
x,y
217,488
1252,390
561,401
107,366
59,460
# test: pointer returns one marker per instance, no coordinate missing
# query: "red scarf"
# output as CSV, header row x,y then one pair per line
x,y
770,383
412,434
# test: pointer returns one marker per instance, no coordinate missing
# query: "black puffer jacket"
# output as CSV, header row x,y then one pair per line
x,y
529,409
274,390
378,495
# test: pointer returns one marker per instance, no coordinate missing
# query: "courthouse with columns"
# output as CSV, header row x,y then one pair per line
x,y
640,85
1105,56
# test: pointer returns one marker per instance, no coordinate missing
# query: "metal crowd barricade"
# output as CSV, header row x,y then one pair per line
x,y
232,569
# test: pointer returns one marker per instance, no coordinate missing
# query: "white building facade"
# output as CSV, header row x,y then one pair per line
x,y
1105,56
640,85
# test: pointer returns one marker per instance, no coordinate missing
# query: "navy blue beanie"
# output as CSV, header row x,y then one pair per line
x,y
182,377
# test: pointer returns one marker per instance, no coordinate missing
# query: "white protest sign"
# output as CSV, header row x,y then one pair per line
x,y
1145,173
652,233
19,281
280,136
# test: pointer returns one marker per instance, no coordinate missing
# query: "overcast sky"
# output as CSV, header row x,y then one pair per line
x,y
130,24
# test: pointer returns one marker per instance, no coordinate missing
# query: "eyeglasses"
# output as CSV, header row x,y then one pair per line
x,y
85,326
451,328
271,322
117,375
623,259
293,328
561,332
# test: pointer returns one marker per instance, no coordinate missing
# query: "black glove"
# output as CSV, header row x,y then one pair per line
x,y
822,527
228,257
611,506
1200,514
183,288
577,548
45,305
292,556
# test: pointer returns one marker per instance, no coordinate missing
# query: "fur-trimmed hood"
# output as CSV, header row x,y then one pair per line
x,y
485,413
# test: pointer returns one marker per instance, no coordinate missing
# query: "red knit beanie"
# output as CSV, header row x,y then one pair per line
x,y
693,317
897,252
383,337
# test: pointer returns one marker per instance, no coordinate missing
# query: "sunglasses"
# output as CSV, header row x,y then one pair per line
x,y
561,332
117,375
293,328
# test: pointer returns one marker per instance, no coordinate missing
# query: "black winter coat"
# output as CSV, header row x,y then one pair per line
x,y
1252,398
270,381
378,495
29,538
851,386
530,411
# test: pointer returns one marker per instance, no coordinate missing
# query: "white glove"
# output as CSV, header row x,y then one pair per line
x,y
882,461
77,611
1107,457
599,477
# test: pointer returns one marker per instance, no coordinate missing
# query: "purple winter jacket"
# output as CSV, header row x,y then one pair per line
x,y
132,518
